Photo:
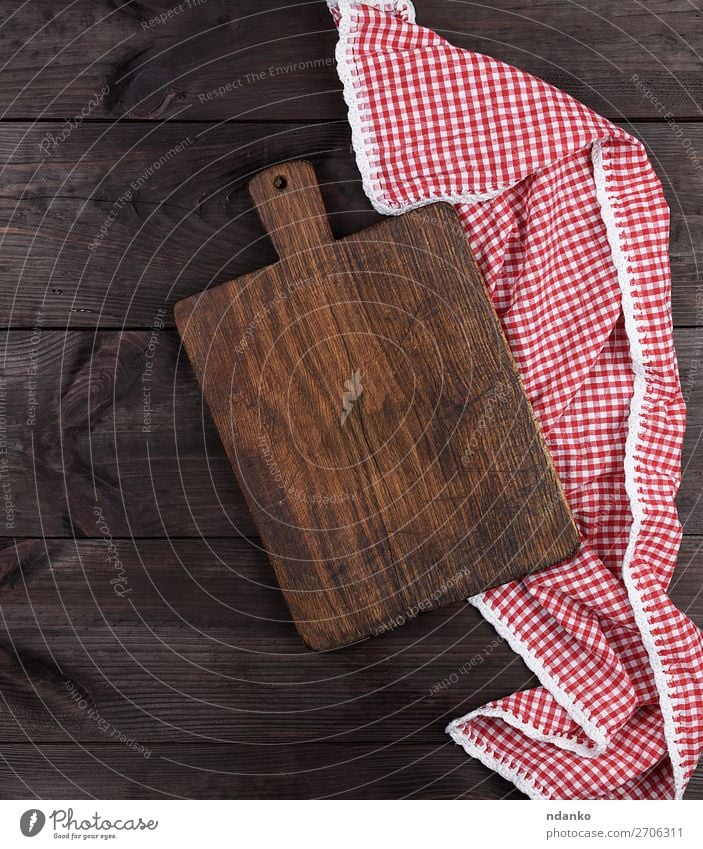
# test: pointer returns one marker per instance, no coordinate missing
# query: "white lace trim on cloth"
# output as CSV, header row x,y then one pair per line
x,y
634,428
356,113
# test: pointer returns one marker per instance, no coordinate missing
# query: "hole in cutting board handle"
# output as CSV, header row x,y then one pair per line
x,y
289,203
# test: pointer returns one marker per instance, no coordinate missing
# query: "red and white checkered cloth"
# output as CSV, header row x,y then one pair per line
x,y
568,223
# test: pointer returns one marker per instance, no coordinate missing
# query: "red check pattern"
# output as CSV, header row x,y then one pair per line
x,y
568,223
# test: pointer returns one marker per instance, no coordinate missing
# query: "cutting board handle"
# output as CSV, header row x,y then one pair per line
x,y
289,203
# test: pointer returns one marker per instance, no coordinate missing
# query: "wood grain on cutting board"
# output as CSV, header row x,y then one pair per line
x,y
371,410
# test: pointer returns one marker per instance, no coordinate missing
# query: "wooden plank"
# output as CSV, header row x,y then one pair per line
x,y
83,247
269,770
85,429
312,771
187,640
116,421
257,59
266,771
127,220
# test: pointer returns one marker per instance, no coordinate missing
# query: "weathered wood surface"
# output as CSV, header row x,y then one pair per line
x,y
190,641
275,60
198,661
116,420
218,771
311,771
197,646
196,650
189,222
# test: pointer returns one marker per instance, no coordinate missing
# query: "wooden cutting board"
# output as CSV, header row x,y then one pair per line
x,y
374,417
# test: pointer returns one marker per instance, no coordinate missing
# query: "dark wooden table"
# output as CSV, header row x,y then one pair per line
x,y
144,650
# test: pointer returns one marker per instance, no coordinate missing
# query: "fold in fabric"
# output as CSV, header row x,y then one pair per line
x,y
569,226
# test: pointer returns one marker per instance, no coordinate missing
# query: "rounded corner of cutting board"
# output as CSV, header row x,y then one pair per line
x,y
574,542
182,311
319,640
571,545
